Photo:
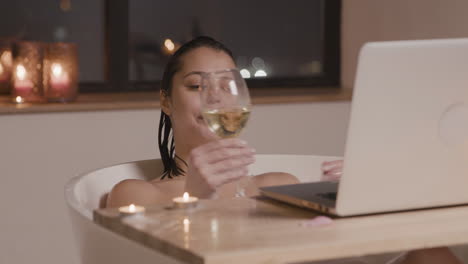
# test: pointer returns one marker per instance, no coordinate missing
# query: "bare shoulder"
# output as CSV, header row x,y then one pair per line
x,y
274,178
133,191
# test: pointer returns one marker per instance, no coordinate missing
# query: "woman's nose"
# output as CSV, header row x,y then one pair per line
x,y
214,95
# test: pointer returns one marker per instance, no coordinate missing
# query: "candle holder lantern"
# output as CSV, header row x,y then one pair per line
x,y
26,79
61,72
6,64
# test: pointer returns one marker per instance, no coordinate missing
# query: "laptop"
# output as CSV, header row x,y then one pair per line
x,y
407,141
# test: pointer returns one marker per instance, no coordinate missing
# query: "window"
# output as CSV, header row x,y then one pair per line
x,y
275,43
123,45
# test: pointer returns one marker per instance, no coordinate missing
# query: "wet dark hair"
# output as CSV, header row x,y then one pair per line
x,y
166,136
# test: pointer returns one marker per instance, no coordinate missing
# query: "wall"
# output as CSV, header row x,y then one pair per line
x,y
378,20
41,152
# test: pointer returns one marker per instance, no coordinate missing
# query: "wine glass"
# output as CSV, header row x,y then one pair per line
x,y
225,105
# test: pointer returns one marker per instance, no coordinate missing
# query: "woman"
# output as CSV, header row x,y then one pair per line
x,y
195,160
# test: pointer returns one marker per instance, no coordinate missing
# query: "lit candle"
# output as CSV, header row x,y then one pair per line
x,y
22,85
186,201
5,66
131,210
59,79
19,100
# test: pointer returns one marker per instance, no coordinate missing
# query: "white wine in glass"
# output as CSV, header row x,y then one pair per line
x,y
225,103
227,123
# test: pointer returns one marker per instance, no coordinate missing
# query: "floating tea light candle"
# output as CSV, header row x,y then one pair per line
x,y
186,201
131,210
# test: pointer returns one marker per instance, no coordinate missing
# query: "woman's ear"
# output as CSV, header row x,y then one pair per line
x,y
165,102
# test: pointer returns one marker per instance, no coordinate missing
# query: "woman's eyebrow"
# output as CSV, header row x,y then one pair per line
x,y
194,72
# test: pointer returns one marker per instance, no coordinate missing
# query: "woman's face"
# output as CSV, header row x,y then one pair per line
x,y
183,104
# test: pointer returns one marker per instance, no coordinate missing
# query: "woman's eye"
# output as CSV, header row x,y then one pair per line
x,y
194,86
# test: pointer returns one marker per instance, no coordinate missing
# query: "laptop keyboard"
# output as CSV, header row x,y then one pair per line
x,y
328,195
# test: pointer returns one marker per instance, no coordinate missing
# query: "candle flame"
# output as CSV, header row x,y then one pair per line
x,y
131,208
18,99
186,196
57,70
169,44
20,72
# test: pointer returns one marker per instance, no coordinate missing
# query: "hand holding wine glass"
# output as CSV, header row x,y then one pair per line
x,y
214,164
